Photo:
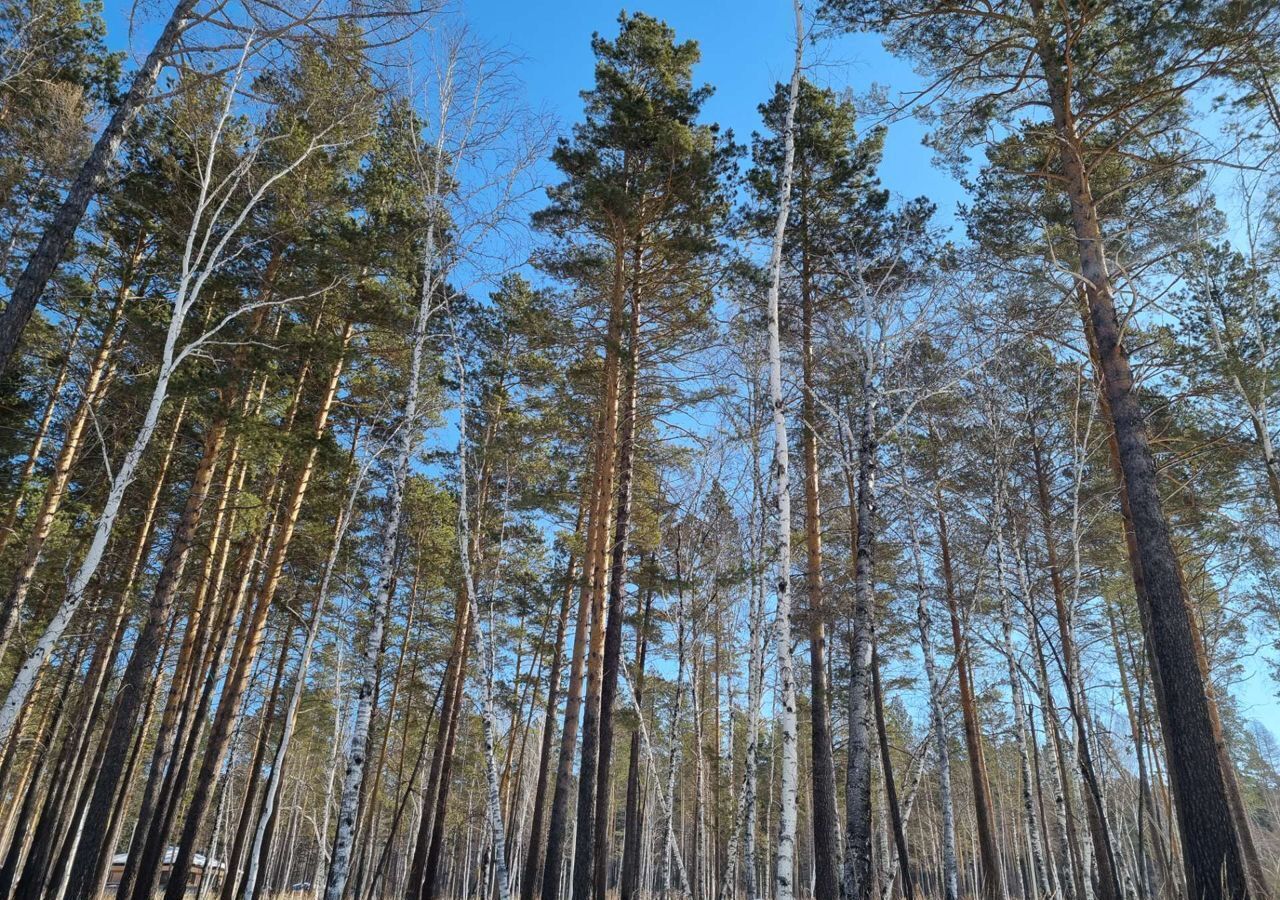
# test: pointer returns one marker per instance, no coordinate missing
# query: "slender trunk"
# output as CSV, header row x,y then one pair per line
x,y
859,873
890,788
123,477
56,487
92,857
1020,709
942,747
533,851
670,847
369,664
1146,873
1108,882
49,727
617,590
449,722
271,793
178,710
97,679
588,768
633,821
234,853
432,842
484,649
785,866
252,632
991,876
417,886
826,847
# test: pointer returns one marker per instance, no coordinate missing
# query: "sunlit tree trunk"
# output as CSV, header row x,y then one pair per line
x,y
785,865
617,591
1211,841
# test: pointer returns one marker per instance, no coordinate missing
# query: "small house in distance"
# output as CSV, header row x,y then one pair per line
x,y
195,874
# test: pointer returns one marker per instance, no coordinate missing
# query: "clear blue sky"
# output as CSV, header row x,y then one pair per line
x,y
746,49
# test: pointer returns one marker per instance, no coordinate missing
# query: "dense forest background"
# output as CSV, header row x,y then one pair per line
x,y
412,494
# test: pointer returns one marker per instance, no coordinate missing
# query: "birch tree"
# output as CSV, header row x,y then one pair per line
x,y
785,864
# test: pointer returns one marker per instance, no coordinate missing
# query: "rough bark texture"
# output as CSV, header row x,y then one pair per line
x,y
1210,843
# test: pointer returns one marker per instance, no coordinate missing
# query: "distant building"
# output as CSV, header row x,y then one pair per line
x,y
195,874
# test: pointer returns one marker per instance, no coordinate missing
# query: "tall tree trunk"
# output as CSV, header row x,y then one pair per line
x,y
670,847
890,788
233,855
588,768
56,487
418,886
1146,873
119,739
61,230
859,873
617,593
1021,735
1211,841
633,821
1107,884
826,847
183,689
991,876
449,722
785,866
252,631
369,663
47,730
272,791
100,669
432,843
484,649
941,739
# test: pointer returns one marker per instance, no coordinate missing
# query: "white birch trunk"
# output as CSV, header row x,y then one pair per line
x,y
669,846
370,661
484,648
858,868
785,863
